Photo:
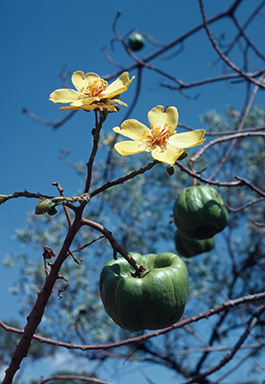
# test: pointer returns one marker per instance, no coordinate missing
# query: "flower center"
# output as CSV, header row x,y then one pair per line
x,y
158,137
94,88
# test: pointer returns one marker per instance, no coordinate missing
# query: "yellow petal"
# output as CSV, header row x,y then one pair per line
x,y
168,156
158,118
64,95
80,80
187,139
120,85
84,102
133,129
129,147
70,108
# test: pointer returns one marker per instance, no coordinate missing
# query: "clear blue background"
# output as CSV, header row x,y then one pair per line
x,y
40,38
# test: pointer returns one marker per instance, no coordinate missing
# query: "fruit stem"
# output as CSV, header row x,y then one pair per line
x,y
139,269
115,245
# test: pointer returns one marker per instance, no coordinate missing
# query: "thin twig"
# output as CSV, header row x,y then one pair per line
x,y
226,306
115,245
53,124
123,179
222,55
66,209
91,380
96,135
240,128
249,204
229,355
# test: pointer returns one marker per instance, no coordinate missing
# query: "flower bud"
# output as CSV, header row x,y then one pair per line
x,y
136,41
45,206
170,169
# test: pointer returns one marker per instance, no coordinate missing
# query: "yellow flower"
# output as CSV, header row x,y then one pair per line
x,y
161,140
92,92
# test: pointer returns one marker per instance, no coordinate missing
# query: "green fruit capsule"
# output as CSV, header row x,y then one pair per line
x,y
199,212
154,300
136,41
192,247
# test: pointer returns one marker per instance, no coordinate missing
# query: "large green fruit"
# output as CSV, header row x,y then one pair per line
x,y
200,213
154,300
190,247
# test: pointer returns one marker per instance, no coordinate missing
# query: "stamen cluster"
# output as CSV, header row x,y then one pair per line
x,y
94,88
158,137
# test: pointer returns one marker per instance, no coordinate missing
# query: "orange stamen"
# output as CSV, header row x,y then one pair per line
x,y
94,88
158,137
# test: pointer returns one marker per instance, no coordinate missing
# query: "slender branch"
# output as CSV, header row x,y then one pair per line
x,y
240,128
226,306
238,365
66,209
96,134
245,25
15,195
121,180
241,181
115,245
248,41
222,55
249,204
56,200
235,136
91,380
251,186
229,355
55,124
198,83
176,41
205,180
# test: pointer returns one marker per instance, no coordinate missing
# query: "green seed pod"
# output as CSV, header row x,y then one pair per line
x,y
199,212
156,299
136,41
192,247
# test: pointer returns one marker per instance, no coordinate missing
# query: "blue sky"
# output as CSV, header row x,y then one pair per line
x,y
38,39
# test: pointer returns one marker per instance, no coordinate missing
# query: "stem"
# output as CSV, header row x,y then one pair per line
x,y
121,180
96,134
115,245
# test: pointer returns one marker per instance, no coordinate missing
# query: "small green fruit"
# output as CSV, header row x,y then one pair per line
x,y
199,212
136,41
190,247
